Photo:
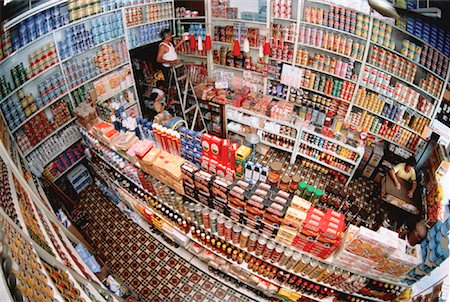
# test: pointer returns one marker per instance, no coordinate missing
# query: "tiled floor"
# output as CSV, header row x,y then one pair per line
x,y
146,265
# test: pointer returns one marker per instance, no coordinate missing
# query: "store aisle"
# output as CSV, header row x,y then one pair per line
x,y
147,266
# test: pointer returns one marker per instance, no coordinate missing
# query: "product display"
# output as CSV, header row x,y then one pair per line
x,y
274,167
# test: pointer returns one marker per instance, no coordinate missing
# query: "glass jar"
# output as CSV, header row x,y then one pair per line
x,y
294,183
309,193
301,188
284,183
275,172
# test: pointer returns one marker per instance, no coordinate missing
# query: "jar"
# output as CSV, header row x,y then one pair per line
x,y
293,261
285,257
236,234
268,250
275,172
294,183
252,242
213,222
318,193
301,188
228,231
284,183
277,253
221,226
243,240
308,193
260,246
205,218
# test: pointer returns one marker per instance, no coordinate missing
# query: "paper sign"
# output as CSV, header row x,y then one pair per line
x,y
291,76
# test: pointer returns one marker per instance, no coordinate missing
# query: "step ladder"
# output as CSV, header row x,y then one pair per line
x,y
188,91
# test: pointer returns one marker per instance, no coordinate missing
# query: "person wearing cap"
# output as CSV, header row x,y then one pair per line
x,y
406,172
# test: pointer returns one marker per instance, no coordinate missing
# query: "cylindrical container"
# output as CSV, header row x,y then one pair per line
x,y
228,231
301,188
260,246
300,266
308,193
213,222
275,172
285,257
205,218
293,261
252,242
284,183
267,253
243,240
294,183
198,214
221,226
236,234
276,254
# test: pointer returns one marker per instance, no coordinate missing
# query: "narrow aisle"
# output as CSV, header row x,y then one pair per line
x,y
146,265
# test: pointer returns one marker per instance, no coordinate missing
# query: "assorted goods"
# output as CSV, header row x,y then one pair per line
x,y
147,14
78,39
147,34
64,161
17,112
43,124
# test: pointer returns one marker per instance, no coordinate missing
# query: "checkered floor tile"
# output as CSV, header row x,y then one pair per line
x,y
144,264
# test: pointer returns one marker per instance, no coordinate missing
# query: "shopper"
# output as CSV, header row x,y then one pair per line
x,y
406,172
167,54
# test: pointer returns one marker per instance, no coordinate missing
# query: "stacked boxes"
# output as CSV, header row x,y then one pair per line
x,y
191,145
379,254
311,230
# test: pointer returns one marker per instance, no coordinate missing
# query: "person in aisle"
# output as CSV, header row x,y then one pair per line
x,y
167,54
406,172
159,102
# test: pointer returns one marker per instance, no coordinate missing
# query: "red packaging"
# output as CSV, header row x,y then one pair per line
x,y
223,155
206,145
216,148
213,166
205,163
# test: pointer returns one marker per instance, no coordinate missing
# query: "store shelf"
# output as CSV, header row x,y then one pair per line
x,y
416,38
388,119
325,94
325,2
238,20
259,128
392,142
148,23
39,110
56,154
146,2
119,92
279,60
238,69
192,56
30,80
404,81
283,19
333,29
98,76
323,163
143,44
231,45
397,101
276,146
328,152
28,152
407,58
325,72
13,54
68,169
83,20
330,51
191,18
249,112
333,140
92,48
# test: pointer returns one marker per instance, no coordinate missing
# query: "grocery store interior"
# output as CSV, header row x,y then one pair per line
x,y
224,150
